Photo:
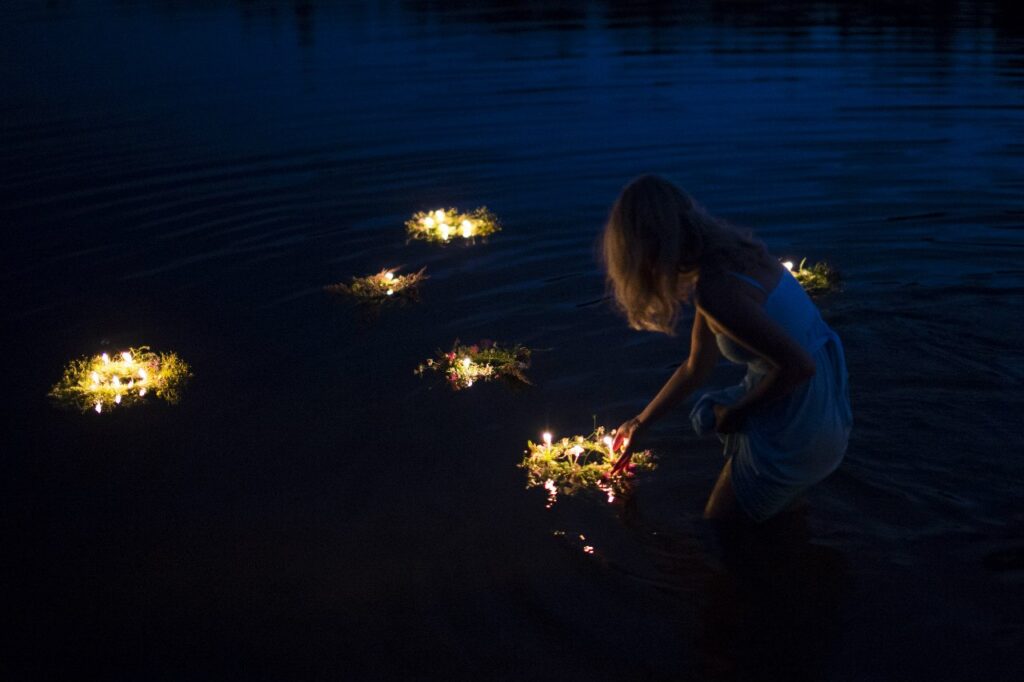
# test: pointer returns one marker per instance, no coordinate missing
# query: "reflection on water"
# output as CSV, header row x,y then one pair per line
x,y
194,173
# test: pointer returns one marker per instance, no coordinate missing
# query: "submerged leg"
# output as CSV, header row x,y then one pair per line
x,y
722,504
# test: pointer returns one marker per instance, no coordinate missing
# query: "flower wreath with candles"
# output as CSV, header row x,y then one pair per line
x,y
383,286
821,278
444,225
464,365
105,381
572,464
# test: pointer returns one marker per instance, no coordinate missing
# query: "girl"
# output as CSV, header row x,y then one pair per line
x,y
786,426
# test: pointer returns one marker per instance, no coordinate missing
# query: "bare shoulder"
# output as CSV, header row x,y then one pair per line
x,y
716,292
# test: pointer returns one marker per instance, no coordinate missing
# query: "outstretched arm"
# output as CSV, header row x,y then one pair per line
x,y
687,378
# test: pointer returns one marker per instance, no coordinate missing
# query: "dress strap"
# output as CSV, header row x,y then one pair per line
x,y
748,279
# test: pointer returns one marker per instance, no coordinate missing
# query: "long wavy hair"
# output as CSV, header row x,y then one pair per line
x,y
655,245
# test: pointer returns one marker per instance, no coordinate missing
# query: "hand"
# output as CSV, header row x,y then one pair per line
x,y
728,419
624,436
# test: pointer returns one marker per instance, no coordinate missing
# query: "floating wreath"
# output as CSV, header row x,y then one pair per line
x,y
821,278
380,287
463,365
444,225
130,377
572,464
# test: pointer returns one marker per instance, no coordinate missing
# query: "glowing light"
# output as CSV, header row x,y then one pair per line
x,y
588,549
441,225
579,463
378,287
465,365
105,381
820,278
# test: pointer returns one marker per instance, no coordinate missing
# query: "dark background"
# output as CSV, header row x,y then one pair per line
x,y
188,175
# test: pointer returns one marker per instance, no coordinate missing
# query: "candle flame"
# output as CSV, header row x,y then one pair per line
x,y
547,438
788,265
444,231
466,362
389,275
439,214
389,292
467,229
428,222
126,356
117,398
142,392
106,358
99,408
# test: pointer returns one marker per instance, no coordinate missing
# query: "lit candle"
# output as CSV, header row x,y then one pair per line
x,y
788,264
99,407
467,229
466,362
126,356
142,392
106,358
389,276
547,438
439,214
95,378
389,292
117,381
428,222
444,231
117,398
142,374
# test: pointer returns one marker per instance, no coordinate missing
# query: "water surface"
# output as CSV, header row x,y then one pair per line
x,y
189,175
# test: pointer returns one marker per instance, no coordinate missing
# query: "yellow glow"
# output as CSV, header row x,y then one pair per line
x,y
466,362
390,292
389,275
607,440
547,438
441,225
788,264
123,378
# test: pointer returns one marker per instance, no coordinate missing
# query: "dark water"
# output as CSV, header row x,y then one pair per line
x,y
188,175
